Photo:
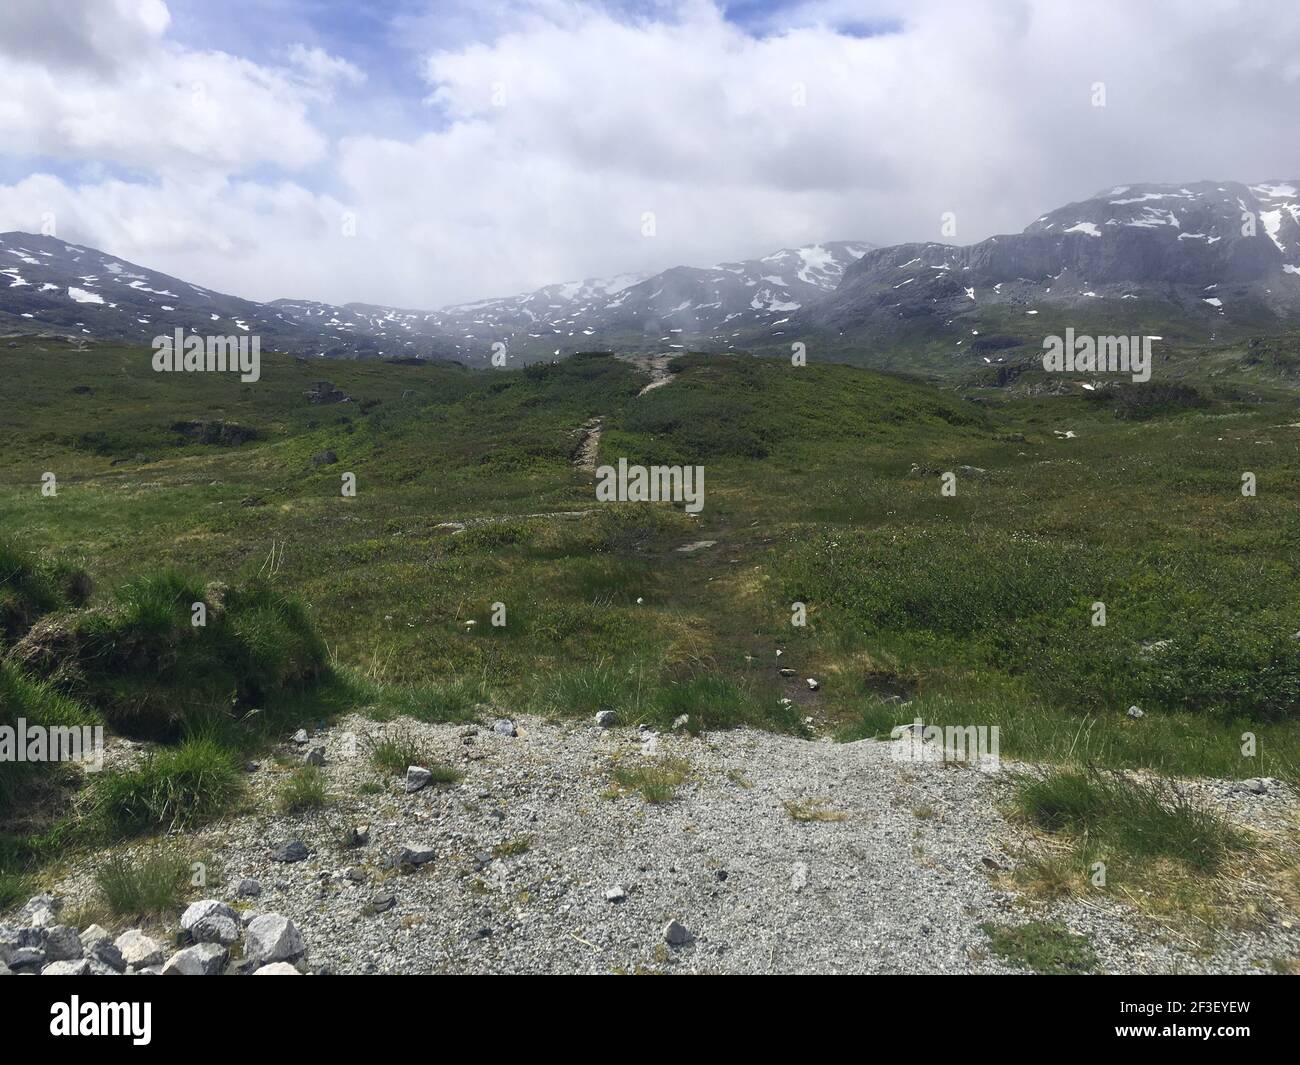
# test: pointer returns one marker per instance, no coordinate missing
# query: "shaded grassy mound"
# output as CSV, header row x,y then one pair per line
x,y
31,587
38,704
152,672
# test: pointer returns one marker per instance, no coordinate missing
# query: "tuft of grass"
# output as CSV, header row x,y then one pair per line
x,y
180,788
512,848
394,754
1137,819
807,810
303,790
656,780
1046,947
143,885
13,887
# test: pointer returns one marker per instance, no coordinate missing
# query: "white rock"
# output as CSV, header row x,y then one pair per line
x,y
615,893
1135,713
94,934
277,968
206,959
139,950
813,685
272,938
39,912
606,719
417,777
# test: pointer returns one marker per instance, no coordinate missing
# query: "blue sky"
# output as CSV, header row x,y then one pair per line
x,y
425,152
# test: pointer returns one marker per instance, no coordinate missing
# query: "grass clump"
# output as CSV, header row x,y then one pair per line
x,y
178,788
656,780
396,753
147,885
1046,947
808,810
304,789
512,848
1134,819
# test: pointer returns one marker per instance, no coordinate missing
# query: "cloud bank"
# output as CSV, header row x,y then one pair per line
x,y
556,130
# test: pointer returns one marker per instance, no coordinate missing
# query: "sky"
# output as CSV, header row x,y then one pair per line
x,y
420,153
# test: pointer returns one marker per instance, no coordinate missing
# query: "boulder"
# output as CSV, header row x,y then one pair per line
x,y
293,850
39,911
272,938
79,967
62,943
277,968
138,950
211,921
675,934
205,959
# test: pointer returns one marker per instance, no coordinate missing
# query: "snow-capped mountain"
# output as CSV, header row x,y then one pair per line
x,y
48,283
1200,260
1202,257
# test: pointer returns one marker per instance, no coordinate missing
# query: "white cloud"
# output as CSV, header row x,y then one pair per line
x,y
979,107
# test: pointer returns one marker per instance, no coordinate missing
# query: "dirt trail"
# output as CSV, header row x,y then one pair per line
x,y
588,447
655,365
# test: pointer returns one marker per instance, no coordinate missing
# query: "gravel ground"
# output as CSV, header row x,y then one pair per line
x,y
528,844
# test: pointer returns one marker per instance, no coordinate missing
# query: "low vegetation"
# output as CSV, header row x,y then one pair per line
x,y
144,885
1046,947
822,489
304,789
656,780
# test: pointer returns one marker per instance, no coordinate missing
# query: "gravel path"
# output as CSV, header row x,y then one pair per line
x,y
528,844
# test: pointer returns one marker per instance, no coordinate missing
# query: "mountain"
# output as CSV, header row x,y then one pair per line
x,y
1187,262
1197,260
84,292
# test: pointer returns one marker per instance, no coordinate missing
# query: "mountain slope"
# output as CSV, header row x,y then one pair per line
x,y
1197,260
47,283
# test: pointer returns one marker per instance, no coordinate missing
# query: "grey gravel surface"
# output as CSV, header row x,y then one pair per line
x,y
532,863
